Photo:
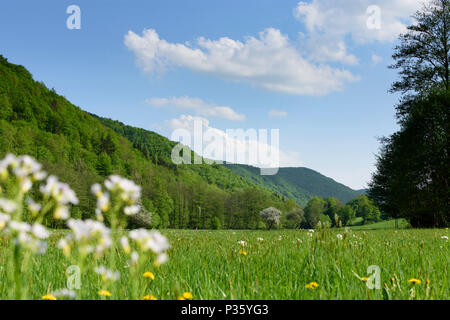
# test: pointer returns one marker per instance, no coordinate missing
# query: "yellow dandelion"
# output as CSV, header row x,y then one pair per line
x,y
414,281
149,297
149,275
242,252
181,298
104,293
48,296
187,295
312,285
365,279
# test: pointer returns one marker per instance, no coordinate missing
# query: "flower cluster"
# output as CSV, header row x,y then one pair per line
x,y
145,241
25,169
107,274
61,195
88,236
117,196
33,197
31,237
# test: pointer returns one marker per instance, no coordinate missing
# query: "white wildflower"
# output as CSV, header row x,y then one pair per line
x,y
64,293
242,243
4,218
7,206
161,258
107,274
39,231
134,257
132,210
127,189
61,192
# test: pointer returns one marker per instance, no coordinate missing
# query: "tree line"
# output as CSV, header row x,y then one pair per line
x,y
412,172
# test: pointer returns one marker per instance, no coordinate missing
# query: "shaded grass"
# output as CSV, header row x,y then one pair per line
x,y
388,224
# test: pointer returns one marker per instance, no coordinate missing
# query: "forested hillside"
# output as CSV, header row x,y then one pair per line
x,y
78,148
299,184
82,148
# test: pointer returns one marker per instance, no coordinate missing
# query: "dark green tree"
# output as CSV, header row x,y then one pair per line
x,y
346,214
422,57
313,210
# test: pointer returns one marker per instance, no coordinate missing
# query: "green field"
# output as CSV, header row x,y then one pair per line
x,y
212,265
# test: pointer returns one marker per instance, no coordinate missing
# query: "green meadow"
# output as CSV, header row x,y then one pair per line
x,y
269,265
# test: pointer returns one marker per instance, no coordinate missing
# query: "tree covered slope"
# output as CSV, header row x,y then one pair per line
x,y
83,149
299,184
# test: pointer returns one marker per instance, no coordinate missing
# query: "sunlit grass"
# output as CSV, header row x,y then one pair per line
x,y
208,265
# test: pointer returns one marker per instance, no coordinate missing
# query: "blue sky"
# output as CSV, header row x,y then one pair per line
x,y
316,63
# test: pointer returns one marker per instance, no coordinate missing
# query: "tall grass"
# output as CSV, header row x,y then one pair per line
x,y
211,265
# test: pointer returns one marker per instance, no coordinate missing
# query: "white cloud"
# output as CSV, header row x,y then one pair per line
x,y
245,147
348,17
376,59
269,61
201,108
331,24
274,113
325,48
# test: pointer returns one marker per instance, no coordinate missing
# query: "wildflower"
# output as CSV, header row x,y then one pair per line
x,y
365,279
48,296
65,293
96,190
187,295
33,206
39,231
64,245
106,274
103,202
149,297
312,285
132,210
444,238
127,189
242,252
104,293
149,240
125,244
89,235
161,259
4,218
339,236
149,275
134,257
260,239
242,243
28,236
414,281
181,298
59,191
7,206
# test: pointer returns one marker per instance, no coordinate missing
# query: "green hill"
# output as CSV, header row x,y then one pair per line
x,y
82,148
299,184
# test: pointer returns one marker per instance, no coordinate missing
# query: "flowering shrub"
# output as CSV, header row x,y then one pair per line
x,y
28,197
